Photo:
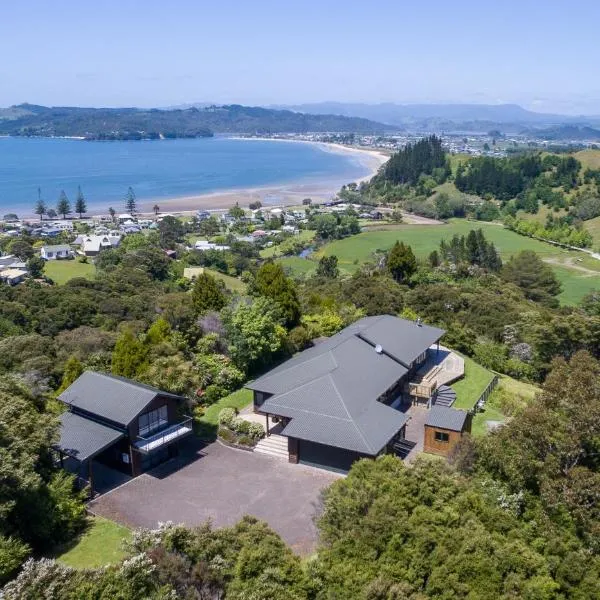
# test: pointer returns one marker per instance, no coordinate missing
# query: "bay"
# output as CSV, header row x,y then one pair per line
x,y
160,169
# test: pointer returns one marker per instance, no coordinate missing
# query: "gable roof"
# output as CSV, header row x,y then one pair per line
x,y
331,391
56,248
82,438
445,417
110,397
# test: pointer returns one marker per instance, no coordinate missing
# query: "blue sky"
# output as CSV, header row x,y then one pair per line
x,y
543,55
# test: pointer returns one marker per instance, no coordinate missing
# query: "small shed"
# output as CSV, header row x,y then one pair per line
x,y
444,427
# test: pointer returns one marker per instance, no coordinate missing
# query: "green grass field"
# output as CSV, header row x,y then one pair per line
x,y
423,239
297,266
522,392
99,545
61,271
207,423
231,283
471,386
305,235
593,226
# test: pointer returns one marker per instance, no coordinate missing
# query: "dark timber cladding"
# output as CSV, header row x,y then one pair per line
x,y
330,395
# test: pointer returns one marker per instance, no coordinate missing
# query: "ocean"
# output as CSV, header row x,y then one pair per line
x,y
158,169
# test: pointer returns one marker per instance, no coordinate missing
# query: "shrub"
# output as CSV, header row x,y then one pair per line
x,y
227,416
241,426
256,431
245,440
227,435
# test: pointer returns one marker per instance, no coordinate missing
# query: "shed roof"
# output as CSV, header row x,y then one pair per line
x,y
110,397
82,439
445,417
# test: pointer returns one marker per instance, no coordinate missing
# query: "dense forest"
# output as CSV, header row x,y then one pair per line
x,y
134,123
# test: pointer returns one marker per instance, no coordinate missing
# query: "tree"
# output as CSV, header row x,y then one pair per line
x,y
401,262
328,267
129,355
253,332
21,249
130,201
73,369
171,232
63,206
271,282
207,294
533,276
112,212
156,209
80,204
236,211
52,214
40,207
35,266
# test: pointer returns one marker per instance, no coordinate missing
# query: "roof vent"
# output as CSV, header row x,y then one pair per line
x,y
379,348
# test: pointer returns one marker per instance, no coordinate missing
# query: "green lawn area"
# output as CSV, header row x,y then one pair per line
x,y
304,235
100,544
61,271
471,386
297,266
423,239
593,226
207,423
521,393
231,283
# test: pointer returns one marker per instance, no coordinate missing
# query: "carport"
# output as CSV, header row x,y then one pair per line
x,y
81,440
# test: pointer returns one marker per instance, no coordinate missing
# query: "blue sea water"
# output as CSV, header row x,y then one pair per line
x,y
157,169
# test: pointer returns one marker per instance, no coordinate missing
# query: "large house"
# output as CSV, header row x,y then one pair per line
x,y
92,245
347,397
56,252
122,424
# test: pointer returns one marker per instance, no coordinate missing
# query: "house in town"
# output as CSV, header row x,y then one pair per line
x,y
348,396
13,276
92,245
444,428
58,252
122,424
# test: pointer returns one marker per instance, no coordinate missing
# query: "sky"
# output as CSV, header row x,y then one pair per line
x,y
542,55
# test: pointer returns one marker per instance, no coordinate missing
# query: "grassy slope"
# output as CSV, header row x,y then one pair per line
x,y
61,271
99,545
207,423
305,235
471,386
297,266
493,411
353,251
232,283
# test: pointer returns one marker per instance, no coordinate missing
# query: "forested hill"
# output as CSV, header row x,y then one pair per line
x,y
135,123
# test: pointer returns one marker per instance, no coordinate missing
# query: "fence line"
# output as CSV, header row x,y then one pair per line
x,y
491,386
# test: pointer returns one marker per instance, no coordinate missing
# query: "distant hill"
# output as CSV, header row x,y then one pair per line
x,y
567,132
136,123
440,116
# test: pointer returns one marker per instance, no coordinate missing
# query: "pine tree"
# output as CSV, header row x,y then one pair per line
x,y
73,369
207,294
40,207
63,206
80,205
271,282
130,201
128,356
112,212
401,262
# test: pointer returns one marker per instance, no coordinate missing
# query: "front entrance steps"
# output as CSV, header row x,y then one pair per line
x,y
273,445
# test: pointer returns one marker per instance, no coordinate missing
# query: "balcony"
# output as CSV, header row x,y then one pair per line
x,y
441,367
164,437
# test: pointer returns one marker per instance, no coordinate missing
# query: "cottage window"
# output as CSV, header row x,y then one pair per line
x,y
441,436
153,420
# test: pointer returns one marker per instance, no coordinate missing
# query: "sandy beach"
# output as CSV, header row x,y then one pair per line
x,y
276,195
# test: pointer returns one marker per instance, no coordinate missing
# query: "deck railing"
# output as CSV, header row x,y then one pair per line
x,y
157,440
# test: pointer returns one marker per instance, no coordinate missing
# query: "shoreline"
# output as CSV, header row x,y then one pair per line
x,y
270,195
283,194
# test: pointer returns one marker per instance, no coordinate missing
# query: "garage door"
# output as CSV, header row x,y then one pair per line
x,y
326,457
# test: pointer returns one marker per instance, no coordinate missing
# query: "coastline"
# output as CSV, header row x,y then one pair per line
x,y
284,194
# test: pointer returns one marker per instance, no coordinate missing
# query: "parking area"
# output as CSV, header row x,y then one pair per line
x,y
222,484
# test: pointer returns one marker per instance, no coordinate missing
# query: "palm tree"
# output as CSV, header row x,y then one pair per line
x,y
156,209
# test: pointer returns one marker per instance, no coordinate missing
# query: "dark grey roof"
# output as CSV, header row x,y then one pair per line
x,y
116,399
445,417
330,391
82,438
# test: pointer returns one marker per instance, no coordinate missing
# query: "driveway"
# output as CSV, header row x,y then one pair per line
x,y
222,484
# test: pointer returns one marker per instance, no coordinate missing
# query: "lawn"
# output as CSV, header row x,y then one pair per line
x,y
521,393
593,226
471,386
231,283
355,250
304,235
207,423
296,266
99,545
61,271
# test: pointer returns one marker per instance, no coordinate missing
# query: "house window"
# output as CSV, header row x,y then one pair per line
x,y
440,436
153,420
49,254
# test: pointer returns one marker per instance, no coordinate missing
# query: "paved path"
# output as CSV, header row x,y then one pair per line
x,y
223,484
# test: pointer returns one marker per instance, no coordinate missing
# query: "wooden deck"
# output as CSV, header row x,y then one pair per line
x,y
440,368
